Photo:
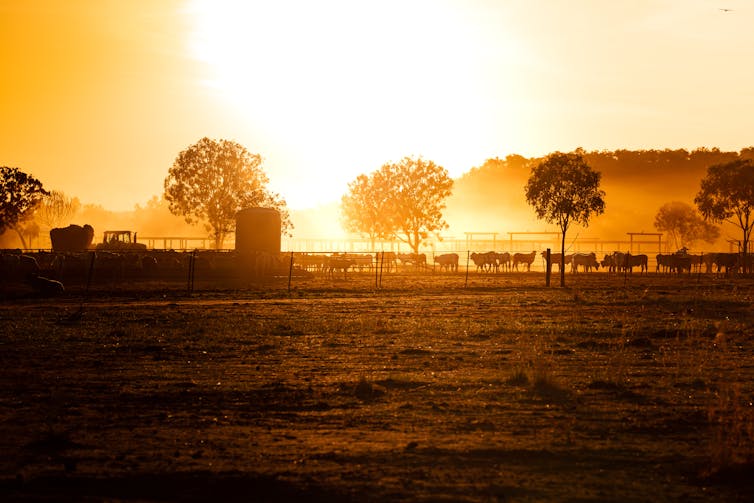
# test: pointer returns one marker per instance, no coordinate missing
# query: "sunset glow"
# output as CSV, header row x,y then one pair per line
x,y
103,95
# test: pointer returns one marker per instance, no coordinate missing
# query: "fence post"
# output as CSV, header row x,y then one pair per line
x,y
290,273
191,269
466,282
382,264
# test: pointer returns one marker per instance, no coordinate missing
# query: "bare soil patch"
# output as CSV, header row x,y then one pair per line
x,y
430,388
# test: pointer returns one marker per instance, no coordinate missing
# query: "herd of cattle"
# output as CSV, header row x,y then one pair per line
x,y
493,262
48,271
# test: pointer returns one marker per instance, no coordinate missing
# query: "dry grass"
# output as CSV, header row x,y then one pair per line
x,y
638,389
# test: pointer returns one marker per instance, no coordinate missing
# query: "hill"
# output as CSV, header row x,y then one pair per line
x,y
490,198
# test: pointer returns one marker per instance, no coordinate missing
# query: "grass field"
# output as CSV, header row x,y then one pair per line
x,y
431,388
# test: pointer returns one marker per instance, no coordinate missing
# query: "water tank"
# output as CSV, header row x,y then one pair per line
x,y
258,229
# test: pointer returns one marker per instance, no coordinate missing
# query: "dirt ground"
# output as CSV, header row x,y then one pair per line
x,y
428,389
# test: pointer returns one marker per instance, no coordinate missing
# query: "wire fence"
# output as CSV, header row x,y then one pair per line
x,y
202,270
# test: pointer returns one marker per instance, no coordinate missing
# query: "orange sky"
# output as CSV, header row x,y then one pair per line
x,y
98,97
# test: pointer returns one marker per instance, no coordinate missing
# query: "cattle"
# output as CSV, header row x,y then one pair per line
x,y
45,286
585,260
676,262
504,261
337,262
708,260
608,262
309,261
524,258
417,260
73,238
447,261
729,262
485,261
17,267
361,261
387,261
555,259
625,262
663,262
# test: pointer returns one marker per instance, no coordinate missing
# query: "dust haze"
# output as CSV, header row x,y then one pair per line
x,y
488,198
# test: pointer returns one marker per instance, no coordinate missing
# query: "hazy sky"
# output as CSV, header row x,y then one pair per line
x,y
98,97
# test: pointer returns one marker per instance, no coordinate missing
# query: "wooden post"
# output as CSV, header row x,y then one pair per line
x,y
466,283
382,264
191,270
290,273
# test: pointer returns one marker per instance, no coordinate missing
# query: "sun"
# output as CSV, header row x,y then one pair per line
x,y
343,87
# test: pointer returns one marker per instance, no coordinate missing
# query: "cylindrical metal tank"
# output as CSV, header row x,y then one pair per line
x,y
258,230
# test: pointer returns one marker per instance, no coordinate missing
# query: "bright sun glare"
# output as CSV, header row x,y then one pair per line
x,y
341,87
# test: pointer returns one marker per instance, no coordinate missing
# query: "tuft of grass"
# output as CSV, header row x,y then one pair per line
x,y
367,391
548,387
518,377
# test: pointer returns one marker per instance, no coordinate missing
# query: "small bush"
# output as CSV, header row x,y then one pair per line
x,y
518,378
367,391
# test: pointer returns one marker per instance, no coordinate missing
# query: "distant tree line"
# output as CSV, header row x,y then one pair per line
x,y
405,200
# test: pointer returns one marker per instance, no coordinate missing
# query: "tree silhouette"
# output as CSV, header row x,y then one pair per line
x,y
403,200
563,189
20,194
418,191
684,225
212,180
56,209
727,194
364,208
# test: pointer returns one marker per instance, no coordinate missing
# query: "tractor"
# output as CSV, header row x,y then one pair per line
x,y
120,241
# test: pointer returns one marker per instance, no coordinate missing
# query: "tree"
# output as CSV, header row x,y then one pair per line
x,y
212,180
402,200
364,208
418,190
20,193
727,195
684,225
56,209
563,189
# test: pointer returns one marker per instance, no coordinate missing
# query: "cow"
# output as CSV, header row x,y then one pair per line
x,y
337,262
608,262
417,260
387,260
727,261
17,267
309,262
504,261
585,260
447,261
361,261
524,258
708,260
73,238
625,262
676,262
663,262
556,257
484,261
45,286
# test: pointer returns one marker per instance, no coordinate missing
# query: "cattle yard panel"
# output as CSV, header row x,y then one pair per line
x,y
175,243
